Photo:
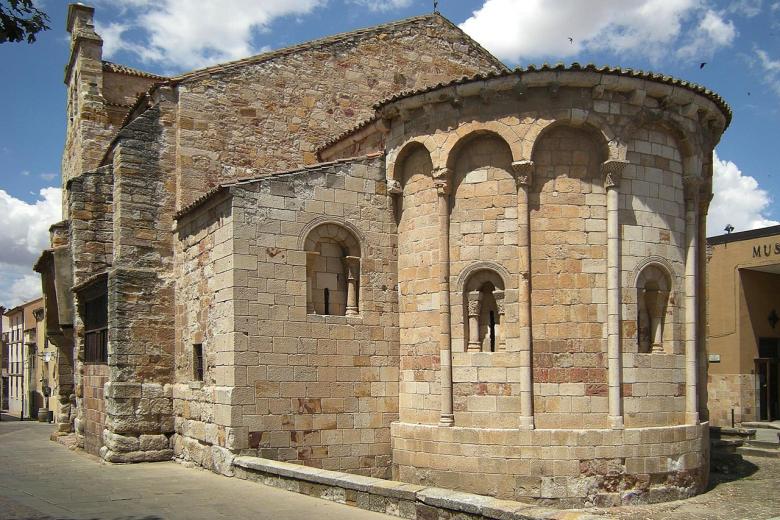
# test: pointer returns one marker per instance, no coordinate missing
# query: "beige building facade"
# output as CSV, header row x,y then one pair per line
x,y
492,284
743,333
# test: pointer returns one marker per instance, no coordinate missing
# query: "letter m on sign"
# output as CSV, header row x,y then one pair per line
x,y
756,251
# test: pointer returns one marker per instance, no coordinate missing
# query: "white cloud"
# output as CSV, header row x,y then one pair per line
x,y
20,288
712,31
522,30
738,200
188,34
382,5
771,70
23,235
747,8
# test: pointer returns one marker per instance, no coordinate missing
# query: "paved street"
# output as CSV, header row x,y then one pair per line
x,y
740,490
40,480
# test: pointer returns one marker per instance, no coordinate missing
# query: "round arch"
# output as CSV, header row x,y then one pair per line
x,y
465,133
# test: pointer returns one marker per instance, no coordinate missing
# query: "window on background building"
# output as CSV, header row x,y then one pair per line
x,y
96,330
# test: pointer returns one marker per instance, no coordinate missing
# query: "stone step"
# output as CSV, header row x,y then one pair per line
x,y
755,451
762,424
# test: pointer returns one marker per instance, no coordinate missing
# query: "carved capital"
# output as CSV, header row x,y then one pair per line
x,y
442,180
394,187
498,295
352,266
611,171
474,300
524,172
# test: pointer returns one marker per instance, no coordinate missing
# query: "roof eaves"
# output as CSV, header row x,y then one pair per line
x,y
560,67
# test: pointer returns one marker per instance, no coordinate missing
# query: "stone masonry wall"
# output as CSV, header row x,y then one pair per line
x,y
91,222
418,266
90,206
653,224
140,290
568,279
205,316
270,114
319,390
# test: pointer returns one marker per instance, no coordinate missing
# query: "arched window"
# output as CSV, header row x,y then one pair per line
x,y
653,287
484,303
332,271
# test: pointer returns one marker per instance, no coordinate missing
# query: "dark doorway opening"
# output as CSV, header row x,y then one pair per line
x,y
768,379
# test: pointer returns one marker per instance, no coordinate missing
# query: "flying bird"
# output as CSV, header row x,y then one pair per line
x,y
702,64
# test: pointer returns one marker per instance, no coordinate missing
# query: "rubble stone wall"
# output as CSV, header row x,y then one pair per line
x,y
270,115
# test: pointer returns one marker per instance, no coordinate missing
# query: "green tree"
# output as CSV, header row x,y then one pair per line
x,y
20,20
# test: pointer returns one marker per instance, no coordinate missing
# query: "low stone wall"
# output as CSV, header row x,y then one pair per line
x,y
599,467
391,497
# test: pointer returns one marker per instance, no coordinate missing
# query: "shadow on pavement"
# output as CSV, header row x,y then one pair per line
x,y
728,467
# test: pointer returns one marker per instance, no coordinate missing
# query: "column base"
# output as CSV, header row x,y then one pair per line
x,y
526,423
447,420
691,417
616,422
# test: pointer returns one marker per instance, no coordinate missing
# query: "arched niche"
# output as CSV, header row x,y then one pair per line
x,y
332,270
568,249
483,294
653,285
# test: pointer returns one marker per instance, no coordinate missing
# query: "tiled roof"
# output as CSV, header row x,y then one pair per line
x,y
109,66
574,67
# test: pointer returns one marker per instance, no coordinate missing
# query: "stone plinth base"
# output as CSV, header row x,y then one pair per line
x,y
565,468
389,497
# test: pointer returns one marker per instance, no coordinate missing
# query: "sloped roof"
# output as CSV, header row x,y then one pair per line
x,y
560,67
248,180
333,40
109,66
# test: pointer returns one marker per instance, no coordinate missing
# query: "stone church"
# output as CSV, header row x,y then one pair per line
x,y
385,253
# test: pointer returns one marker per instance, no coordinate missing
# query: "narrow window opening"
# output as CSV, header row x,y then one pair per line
x,y
492,331
327,301
96,329
197,361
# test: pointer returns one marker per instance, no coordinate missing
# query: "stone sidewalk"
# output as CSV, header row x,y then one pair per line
x,y
40,480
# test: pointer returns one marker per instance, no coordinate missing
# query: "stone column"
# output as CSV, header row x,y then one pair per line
x,y
691,185
612,170
524,177
352,265
498,296
441,179
474,301
655,301
311,257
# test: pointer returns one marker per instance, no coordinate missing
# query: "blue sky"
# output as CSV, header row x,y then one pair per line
x,y
739,41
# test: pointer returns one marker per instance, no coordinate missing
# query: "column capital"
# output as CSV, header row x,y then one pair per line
x,y
524,172
352,264
692,188
611,171
394,187
498,295
442,178
474,299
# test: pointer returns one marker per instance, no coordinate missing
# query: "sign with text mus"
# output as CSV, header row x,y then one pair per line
x,y
766,250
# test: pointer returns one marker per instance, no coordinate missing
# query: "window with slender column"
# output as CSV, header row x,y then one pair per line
x,y
332,271
484,305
